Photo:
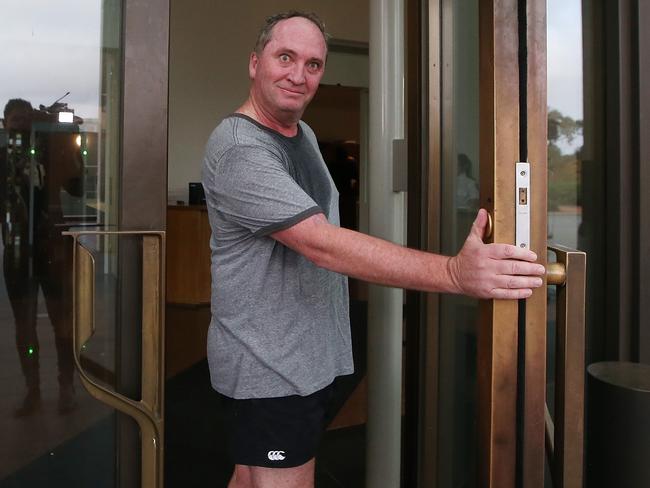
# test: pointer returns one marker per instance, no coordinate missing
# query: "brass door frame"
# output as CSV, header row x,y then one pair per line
x,y
499,122
532,452
498,322
513,128
500,132
143,187
143,195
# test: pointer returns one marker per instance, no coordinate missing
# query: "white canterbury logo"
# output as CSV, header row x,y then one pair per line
x,y
276,455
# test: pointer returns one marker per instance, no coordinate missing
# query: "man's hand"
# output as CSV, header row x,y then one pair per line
x,y
494,270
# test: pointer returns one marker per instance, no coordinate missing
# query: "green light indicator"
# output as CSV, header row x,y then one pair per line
x,y
30,351
32,151
84,152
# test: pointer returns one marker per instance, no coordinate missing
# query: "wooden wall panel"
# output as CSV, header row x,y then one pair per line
x,y
188,255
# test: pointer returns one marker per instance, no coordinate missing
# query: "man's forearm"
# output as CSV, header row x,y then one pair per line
x,y
372,259
378,261
500,271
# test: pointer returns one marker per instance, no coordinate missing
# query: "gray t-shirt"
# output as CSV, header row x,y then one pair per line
x,y
280,324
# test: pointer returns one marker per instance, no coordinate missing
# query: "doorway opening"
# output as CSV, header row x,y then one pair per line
x,y
208,81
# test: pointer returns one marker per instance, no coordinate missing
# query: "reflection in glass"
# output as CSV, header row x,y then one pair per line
x,y
457,437
59,93
565,120
41,161
565,145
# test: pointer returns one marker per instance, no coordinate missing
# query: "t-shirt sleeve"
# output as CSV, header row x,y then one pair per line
x,y
251,187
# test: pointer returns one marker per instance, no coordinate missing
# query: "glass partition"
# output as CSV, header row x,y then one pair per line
x,y
577,195
457,393
59,141
577,162
565,144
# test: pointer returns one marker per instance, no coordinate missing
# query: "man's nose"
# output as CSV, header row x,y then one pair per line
x,y
297,74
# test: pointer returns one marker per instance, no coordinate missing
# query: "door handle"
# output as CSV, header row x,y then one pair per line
x,y
148,411
565,437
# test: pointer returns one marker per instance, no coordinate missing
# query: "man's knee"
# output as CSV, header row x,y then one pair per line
x,y
298,477
241,477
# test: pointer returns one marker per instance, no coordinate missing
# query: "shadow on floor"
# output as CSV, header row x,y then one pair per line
x,y
84,461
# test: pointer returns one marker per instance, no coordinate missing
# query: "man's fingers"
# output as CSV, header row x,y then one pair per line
x,y
507,294
513,267
508,251
496,271
478,227
518,282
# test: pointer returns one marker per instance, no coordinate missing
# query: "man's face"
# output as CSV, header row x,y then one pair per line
x,y
286,74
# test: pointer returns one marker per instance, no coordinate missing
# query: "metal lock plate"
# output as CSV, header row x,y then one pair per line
x,y
522,205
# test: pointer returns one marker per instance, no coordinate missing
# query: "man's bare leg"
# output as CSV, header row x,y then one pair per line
x,y
241,477
258,477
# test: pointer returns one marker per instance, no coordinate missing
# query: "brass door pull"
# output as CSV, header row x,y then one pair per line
x,y
556,274
489,229
148,412
565,436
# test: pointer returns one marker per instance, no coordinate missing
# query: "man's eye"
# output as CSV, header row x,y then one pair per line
x,y
314,66
284,58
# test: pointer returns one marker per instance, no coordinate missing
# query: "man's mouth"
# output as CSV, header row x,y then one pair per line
x,y
293,92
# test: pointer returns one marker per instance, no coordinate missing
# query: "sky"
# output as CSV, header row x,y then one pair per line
x,y
48,48
564,38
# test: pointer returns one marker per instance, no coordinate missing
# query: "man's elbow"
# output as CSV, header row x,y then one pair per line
x,y
313,247
318,256
311,239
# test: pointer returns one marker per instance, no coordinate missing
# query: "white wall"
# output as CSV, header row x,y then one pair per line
x,y
210,42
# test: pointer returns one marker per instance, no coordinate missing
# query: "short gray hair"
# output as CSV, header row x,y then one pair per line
x,y
264,36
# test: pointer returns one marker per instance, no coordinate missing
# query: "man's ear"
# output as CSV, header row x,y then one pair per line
x,y
252,65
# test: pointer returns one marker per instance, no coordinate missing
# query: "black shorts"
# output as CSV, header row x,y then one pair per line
x,y
279,432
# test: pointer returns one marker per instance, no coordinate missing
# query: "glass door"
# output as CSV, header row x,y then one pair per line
x,y
70,142
513,427
482,413
558,85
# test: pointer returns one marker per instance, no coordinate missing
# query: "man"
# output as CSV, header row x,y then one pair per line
x,y
280,328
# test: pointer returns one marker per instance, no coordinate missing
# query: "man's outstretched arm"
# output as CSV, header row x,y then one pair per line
x,y
479,270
